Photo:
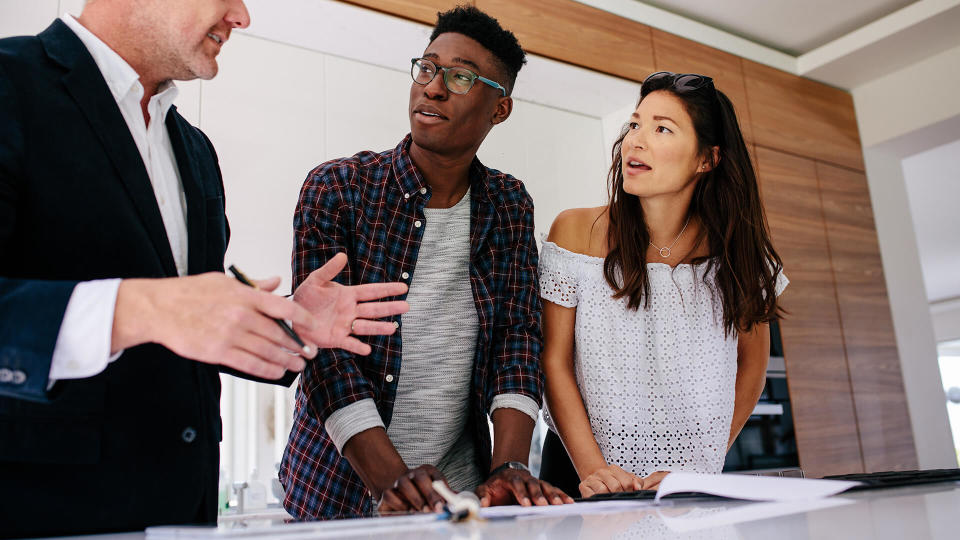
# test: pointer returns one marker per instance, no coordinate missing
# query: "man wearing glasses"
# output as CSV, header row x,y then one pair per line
x,y
371,434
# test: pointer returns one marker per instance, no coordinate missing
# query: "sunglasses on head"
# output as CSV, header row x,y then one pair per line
x,y
681,82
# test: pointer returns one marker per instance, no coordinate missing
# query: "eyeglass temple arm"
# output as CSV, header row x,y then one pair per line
x,y
493,84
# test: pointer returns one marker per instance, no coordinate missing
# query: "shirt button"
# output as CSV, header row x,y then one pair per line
x,y
396,324
405,275
417,223
19,377
5,375
406,195
189,434
389,378
423,191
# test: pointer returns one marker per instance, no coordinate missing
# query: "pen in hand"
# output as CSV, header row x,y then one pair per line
x,y
286,327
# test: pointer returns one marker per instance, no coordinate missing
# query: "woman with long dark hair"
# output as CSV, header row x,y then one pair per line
x,y
658,304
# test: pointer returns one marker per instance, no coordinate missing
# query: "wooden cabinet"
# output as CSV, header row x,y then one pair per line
x,y
424,11
674,53
802,117
872,359
572,32
823,410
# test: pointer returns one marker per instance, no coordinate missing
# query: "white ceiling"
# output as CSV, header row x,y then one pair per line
x,y
933,188
793,27
843,43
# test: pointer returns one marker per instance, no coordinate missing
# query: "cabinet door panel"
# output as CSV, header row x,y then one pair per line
x,y
875,373
820,395
802,117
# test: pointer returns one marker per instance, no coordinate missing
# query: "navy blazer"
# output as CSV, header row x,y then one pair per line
x,y
136,445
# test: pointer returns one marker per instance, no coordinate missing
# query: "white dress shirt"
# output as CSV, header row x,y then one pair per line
x,y
83,344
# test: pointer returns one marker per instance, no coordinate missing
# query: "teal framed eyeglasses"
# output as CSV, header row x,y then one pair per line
x,y
458,80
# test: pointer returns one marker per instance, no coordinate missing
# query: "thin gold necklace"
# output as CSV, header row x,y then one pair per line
x,y
665,250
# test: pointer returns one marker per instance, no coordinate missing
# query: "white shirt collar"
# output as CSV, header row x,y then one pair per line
x,y
120,76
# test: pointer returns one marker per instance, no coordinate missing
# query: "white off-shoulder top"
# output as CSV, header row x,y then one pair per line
x,y
657,383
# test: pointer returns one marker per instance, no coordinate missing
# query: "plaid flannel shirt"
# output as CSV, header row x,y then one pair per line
x,y
371,207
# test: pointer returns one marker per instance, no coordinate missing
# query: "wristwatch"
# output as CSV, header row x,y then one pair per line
x,y
515,465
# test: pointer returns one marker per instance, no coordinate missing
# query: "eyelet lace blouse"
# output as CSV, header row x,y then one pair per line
x,y
657,383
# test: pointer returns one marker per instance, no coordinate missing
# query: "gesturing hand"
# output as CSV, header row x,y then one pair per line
x,y
512,486
211,318
413,492
609,479
342,310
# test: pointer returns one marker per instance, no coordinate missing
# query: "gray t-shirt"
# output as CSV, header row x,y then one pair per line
x,y
439,341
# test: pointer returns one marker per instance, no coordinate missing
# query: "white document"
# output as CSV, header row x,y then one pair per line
x,y
752,488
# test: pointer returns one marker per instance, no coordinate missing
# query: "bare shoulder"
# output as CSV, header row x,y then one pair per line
x,y
578,229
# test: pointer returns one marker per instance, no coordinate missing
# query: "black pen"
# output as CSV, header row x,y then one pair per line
x,y
283,324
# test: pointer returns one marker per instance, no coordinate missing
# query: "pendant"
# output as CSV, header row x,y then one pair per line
x,y
665,252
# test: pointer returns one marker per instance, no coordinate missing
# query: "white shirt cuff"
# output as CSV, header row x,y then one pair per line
x,y
520,402
83,344
356,417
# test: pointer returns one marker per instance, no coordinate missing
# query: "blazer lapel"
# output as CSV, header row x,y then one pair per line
x,y
193,189
86,85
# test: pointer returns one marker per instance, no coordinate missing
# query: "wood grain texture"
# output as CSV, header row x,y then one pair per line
x,y
820,394
886,436
674,53
578,34
424,11
802,117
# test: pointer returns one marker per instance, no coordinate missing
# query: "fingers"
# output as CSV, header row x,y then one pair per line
x,y
423,477
283,308
611,481
378,310
330,270
519,490
248,363
416,487
268,329
354,345
554,494
362,327
409,490
268,284
626,480
536,494
482,493
376,291
267,351
653,481
592,486
391,502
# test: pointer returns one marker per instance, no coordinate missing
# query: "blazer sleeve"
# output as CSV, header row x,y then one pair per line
x,y
30,310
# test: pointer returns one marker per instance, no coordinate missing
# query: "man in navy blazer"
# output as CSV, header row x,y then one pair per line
x,y
115,316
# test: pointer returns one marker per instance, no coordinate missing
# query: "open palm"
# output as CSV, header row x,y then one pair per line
x,y
345,311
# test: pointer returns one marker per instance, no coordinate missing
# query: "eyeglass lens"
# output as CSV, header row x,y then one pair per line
x,y
458,80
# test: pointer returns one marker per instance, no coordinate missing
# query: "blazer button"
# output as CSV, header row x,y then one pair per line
x,y
189,435
19,377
